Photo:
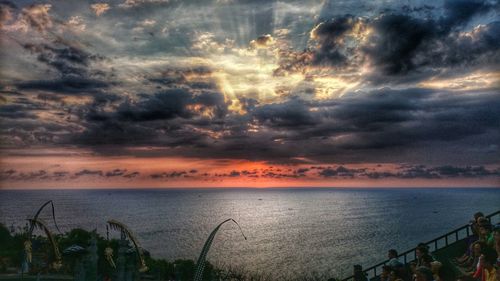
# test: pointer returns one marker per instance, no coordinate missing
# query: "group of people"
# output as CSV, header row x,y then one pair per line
x,y
481,261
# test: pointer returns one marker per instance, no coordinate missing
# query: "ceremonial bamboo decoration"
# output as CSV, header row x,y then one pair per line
x,y
123,228
38,223
27,243
108,252
30,232
200,265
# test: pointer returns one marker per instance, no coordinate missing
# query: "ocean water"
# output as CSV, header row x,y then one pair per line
x,y
291,232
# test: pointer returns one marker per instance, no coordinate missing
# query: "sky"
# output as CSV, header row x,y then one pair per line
x,y
249,93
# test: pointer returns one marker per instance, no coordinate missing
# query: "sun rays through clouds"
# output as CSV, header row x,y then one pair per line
x,y
249,93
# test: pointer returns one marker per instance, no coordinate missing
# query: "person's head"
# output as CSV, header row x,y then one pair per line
x,y
478,215
421,250
423,274
435,266
484,229
478,219
413,266
357,269
392,253
393,275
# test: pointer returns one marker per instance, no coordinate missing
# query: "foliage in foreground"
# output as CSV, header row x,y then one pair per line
x,y
11,247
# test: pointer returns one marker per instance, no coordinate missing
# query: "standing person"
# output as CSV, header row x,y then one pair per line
x,y
474,225
393,262
421,251
358,273
478,250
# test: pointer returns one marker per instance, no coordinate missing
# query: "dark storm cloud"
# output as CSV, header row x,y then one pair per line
x,y
49,97
375,125
302,170
411,172
387,118
293,113
114,132
102,173
469,172
340,172
87,172
383,120
7,174
395,42
162,118
438,172
459,12
403,46
176,77
66,85
131,175
24,176
165,105
73,66
59,175
248,104
480,49
15,111
116,173
330,35
169,175
14,175
66,59
402,43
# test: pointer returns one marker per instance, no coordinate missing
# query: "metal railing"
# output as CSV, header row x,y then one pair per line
x,y
434,244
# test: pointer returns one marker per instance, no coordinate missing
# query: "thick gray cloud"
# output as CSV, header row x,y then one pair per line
x,y
73,70
367,125
333,46
404,46
160,119
293,114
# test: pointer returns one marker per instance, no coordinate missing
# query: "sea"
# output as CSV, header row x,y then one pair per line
x,y
290,232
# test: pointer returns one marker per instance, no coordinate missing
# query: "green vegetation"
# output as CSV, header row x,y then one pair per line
x,y
11,247
11,253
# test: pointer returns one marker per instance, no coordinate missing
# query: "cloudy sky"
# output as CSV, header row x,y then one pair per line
x,y
166,93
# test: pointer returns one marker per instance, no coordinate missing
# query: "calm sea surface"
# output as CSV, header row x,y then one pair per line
x,y
290,231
